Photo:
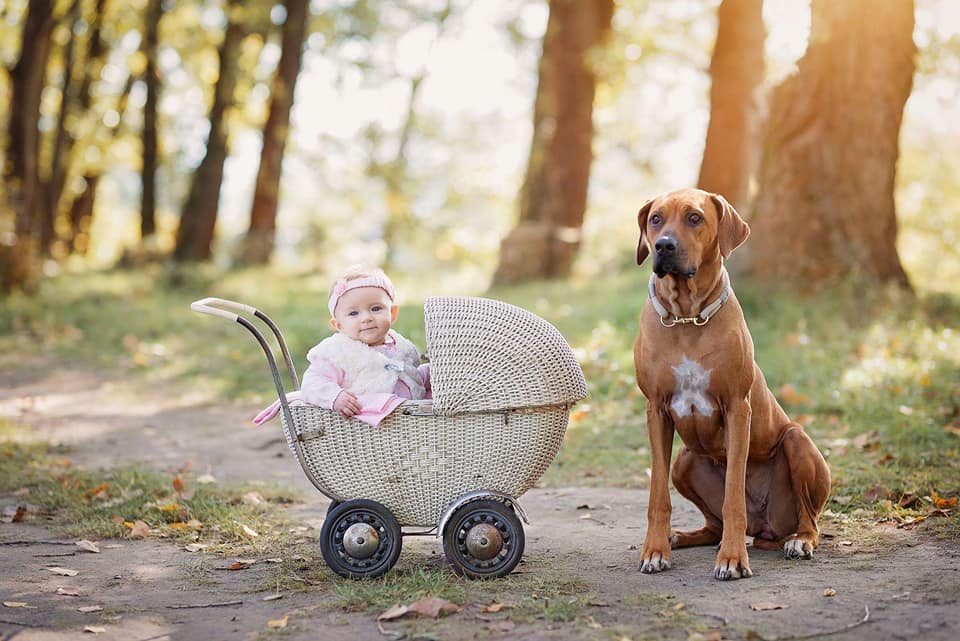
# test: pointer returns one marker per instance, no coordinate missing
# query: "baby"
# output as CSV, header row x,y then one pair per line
x,y
366,369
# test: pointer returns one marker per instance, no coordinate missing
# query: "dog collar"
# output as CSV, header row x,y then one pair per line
x,y
699,320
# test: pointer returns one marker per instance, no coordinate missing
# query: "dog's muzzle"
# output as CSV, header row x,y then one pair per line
x,y
669,258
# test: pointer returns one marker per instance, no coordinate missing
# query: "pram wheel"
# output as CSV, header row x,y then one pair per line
x,y
483,539
360,539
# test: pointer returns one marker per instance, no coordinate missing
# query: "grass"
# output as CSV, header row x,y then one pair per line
x,y
872,374
95,504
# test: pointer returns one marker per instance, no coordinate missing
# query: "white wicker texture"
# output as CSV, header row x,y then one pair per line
x,y
416,463
490,355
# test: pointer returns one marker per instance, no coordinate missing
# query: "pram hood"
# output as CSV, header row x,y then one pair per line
x,y
487,355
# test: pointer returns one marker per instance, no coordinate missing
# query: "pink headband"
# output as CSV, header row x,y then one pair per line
x,y
342,286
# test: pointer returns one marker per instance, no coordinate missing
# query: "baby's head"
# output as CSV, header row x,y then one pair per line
x,y
361,304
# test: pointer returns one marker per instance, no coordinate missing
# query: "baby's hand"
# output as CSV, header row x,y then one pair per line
x,y
347,404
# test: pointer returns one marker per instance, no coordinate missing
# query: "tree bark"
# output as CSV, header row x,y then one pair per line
x,y
199,216
148,193
825,207
58,170
259,241
553,198
736,73
18,258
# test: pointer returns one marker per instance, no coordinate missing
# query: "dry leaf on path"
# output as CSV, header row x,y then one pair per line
x,y
249,531
68,591
140,530
496,607
434,607
394,612
195,547
88,546
272,597
63,571
278,623
766,605
90,608
18,604
829,592
94,629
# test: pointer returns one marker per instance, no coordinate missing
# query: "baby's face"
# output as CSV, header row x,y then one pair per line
x,y
364,314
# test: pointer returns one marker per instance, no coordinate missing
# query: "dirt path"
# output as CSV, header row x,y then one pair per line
x,y
905,586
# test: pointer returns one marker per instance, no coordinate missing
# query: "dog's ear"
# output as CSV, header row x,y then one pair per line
x,y
642,250
731,228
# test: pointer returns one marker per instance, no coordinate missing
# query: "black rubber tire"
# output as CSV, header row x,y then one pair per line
x,y
347,513
492,512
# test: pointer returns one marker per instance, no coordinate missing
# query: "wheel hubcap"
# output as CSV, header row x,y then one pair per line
x,y
361,540
484,541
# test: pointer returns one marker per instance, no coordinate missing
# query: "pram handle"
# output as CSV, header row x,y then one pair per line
x,y
218,307
215,307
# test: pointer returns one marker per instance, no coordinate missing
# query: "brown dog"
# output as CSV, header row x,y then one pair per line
x,y
744,463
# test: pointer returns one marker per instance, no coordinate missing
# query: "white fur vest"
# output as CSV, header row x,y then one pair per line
x,y
368,371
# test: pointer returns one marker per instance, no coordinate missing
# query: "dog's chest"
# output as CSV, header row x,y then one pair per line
x,y
690,389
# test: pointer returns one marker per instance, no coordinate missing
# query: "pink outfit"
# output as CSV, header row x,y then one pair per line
x,y
324,381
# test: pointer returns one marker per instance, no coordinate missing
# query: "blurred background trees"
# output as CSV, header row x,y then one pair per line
x,y
501,140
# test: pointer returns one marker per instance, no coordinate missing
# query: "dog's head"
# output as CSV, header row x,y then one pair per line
x,y
686,228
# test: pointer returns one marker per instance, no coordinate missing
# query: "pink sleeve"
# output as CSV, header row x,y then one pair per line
x,y
321,383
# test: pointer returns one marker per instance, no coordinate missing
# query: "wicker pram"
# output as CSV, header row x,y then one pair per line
x,y
503,381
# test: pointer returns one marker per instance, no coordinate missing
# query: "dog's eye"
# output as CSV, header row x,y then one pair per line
x,y
656,219
694,218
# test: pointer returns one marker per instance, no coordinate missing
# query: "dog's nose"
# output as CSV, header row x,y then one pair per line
x,y
665,245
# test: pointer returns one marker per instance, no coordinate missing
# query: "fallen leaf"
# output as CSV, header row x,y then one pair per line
x,y
195,547
942,503
139,530
90,608
829,592
88,546
766,605
206,478
249,531
789,395
67,591
845,543
866,441
16,604
394,612
908,500
434,607
272,597
63,571
875,492
278,623
496,607
178,484
94,629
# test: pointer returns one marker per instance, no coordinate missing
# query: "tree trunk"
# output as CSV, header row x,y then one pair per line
x,y
18,259
258,242
80,216
736,73
199,217
148,194
825,207
54,187
554,194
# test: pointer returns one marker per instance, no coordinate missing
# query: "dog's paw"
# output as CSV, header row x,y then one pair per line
x,y
655,562
732,565
798,549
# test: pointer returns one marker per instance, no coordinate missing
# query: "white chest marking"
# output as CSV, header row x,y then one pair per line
x,y
690,395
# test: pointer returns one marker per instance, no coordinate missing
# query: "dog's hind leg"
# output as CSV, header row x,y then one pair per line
x,y
810,486
696,478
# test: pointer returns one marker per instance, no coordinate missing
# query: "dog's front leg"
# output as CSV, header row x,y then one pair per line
x,y
656,546
732,561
